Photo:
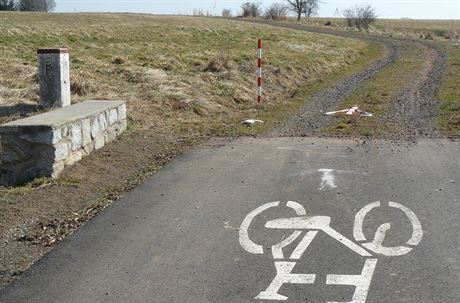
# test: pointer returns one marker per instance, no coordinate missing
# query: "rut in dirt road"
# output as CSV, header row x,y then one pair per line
x,y
412,114
311,117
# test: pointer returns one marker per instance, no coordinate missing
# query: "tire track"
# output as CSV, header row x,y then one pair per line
x,y
413,112
310,118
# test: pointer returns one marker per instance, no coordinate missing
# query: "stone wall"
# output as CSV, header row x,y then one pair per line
x,y
43,145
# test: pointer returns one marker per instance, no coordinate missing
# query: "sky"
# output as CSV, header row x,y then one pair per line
x,y
416,9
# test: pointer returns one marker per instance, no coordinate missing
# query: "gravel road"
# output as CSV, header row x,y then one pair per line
x,y
411,115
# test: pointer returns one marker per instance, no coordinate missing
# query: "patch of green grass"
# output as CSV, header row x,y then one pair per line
x,y
449,94
376,95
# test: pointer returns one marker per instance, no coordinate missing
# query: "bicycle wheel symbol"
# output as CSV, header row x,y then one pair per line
x,y
376,245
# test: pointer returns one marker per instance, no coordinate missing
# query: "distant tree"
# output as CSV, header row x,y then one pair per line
x,y
297,7
360,16
251,9
226,13
311,7
277,11
7,5
198,12
367,16
36,5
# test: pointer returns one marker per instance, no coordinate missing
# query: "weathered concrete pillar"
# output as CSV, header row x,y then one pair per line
x,y
54,77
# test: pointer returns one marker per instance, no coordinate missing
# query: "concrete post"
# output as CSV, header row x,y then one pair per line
x,y
54,77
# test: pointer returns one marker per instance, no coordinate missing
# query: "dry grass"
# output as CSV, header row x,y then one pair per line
x,y
155,62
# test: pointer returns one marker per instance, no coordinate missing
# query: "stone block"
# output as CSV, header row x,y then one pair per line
x,y
62,151
122,112
54,77
74,157
102,121
112,133
58,168
86,131
88,148
99,142
43,145
76,136
64,131
113,116
124,126
94,127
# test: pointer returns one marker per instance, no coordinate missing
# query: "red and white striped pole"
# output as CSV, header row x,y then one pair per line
x,y
259,72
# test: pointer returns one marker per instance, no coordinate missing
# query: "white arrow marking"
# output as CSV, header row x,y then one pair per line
x,y
327,179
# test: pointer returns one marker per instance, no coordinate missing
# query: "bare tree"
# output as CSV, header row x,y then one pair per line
x,y
251,9
226,13
311,7
367,16
277,11
360,16
198,12
36,5
7,5
297,7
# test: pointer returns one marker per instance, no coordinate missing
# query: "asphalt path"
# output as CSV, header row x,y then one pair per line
x,y
186,234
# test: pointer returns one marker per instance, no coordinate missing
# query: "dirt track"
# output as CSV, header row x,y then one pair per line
x,y
411,115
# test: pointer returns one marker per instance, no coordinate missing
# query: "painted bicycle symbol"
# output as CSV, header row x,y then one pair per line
x,y
309,227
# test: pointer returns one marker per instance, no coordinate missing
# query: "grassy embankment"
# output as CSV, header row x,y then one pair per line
x,y
183,79
174,72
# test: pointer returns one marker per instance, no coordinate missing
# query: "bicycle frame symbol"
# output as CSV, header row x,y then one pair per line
x,y
315,224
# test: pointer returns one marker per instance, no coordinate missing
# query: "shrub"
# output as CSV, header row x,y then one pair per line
x,y
276,11
360,16
251,9
220,62
226,13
